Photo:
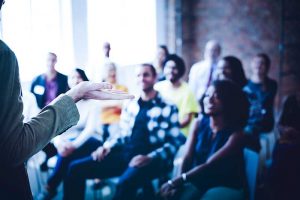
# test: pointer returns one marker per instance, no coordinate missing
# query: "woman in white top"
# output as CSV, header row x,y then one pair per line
x,y
77,142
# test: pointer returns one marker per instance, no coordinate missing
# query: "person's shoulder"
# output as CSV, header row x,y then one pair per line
x,y
4,49
199,67
163,102
238,137
39,77
198,64
184,86
61,75
271,82
160,85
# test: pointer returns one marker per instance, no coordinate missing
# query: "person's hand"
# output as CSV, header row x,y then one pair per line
x,y
140,161
65,149
100,153
97,91
168,192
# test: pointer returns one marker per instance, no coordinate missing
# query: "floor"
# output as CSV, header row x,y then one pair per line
x,y
38,179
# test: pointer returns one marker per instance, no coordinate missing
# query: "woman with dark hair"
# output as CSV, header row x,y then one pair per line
x,y
175,90
161,55
231,67
78,141
261,91
214,149
81,74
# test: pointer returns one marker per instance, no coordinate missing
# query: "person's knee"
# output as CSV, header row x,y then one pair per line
x,y
75,169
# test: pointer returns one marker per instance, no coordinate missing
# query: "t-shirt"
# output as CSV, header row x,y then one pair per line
x,y
182,97
139,139
111,114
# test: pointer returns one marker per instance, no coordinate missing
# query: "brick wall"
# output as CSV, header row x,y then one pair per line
x,y
244,28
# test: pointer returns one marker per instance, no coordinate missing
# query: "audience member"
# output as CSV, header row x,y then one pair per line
x,y
230,67
202,73
161,55
111,110
97,73
261,91
284,172
45,88
214,149
145,150
79,141
177,91
49,85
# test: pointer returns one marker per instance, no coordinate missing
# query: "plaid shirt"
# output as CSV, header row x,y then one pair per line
x,y
163,126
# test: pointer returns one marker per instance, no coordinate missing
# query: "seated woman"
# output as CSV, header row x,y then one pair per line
x,y
230,67
78,141
111,110
161,55
214,149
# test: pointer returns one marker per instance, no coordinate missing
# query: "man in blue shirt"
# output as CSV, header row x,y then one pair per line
x,y
144,150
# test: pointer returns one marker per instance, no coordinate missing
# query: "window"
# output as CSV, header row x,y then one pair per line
x,y
34,27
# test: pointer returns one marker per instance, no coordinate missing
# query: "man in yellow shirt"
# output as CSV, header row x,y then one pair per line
x,y
177,91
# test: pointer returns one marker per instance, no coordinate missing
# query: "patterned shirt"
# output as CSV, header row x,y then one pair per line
x,y
163,126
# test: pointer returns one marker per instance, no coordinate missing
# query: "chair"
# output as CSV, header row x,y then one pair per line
x,y
251,165
224,193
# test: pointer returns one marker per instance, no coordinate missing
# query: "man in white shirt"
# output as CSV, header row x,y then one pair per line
x,y
201,73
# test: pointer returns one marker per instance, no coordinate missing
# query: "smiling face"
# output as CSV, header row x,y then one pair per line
x,y
223,70
212,103
171,71
145,78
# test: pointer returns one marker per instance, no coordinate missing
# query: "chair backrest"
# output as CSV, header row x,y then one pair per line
x,y
251,166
